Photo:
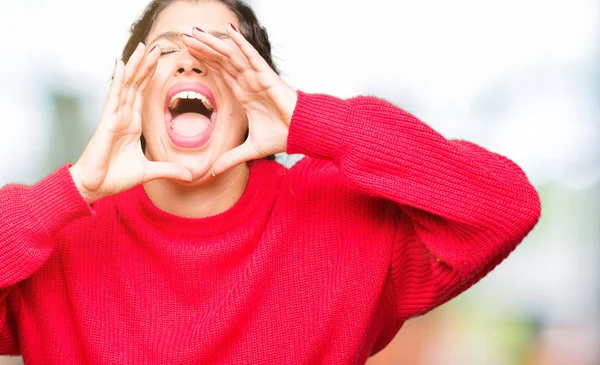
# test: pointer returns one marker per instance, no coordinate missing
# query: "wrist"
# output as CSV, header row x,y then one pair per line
x,y
290,101
87,195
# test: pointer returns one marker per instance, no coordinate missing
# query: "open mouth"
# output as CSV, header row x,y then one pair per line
x,y
191,113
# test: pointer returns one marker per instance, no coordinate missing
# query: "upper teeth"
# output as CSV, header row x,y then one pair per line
x,y
189,95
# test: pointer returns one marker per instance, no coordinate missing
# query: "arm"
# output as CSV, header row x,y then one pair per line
x,y
30,216
9,344
468,208
112,162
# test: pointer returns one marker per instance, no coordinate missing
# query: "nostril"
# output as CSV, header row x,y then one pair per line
x,y
197,71
180,70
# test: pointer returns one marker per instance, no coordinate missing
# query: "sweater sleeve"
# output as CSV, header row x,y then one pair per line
x,y
30,216
468,208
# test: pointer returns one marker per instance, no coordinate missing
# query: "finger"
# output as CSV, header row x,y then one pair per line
x,y
254,59
133,63
194,45
209,47
214,64
144,73
230,51
147,67
230,81
138,102
116,85
131,68
166,170
146,81
234,157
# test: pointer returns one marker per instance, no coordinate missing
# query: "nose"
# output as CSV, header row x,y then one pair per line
x,y
187,64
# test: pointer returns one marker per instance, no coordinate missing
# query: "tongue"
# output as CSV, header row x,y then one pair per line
x,y
190,124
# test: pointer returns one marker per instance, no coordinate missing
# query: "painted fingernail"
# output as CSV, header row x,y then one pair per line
x,y
187,35
199,30
233,27
153,48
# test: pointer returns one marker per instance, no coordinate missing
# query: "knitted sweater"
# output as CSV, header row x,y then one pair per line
x,y
320,264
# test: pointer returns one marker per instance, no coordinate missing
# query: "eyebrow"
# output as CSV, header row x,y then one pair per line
x,y
171,35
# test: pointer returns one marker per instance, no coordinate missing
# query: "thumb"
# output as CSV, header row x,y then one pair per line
x,y
234,157
166,170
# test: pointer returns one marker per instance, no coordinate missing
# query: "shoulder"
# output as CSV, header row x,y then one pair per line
x,y
319,184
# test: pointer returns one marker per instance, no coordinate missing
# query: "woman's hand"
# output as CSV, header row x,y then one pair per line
x,y
269,102
113,160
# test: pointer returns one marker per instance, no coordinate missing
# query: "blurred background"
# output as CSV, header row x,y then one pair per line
x,y
519,77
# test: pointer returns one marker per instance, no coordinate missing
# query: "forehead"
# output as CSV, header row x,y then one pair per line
x,y
182,16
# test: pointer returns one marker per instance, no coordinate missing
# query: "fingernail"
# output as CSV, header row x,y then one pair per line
x,y
233,27
153,48
212,172
199,30
187,35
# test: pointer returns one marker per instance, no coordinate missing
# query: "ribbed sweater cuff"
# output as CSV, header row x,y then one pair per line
x,y
317,125
55,201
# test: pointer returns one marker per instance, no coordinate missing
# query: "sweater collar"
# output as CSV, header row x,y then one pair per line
x,y
259,195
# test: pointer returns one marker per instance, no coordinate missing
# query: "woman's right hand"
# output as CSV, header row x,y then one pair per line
x,y
113,160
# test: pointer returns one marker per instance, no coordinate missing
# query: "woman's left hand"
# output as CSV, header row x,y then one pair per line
x,y
269,101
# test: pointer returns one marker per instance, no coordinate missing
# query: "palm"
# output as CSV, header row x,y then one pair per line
x,y
123,168
113,160
269,102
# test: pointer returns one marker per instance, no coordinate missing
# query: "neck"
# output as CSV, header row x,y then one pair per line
x,y
213,197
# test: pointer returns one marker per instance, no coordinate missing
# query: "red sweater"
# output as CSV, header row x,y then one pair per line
x,y
319,264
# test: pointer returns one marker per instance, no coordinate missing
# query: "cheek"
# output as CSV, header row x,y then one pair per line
x,y
238,118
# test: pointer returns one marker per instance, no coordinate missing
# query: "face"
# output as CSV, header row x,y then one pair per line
x,y
190,116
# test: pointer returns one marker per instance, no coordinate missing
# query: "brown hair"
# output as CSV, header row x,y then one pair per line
x,y
249,27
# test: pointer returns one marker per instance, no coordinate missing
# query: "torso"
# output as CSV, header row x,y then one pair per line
x,y
299,280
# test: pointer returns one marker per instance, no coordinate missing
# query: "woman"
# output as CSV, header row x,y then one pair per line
x,y
197,249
